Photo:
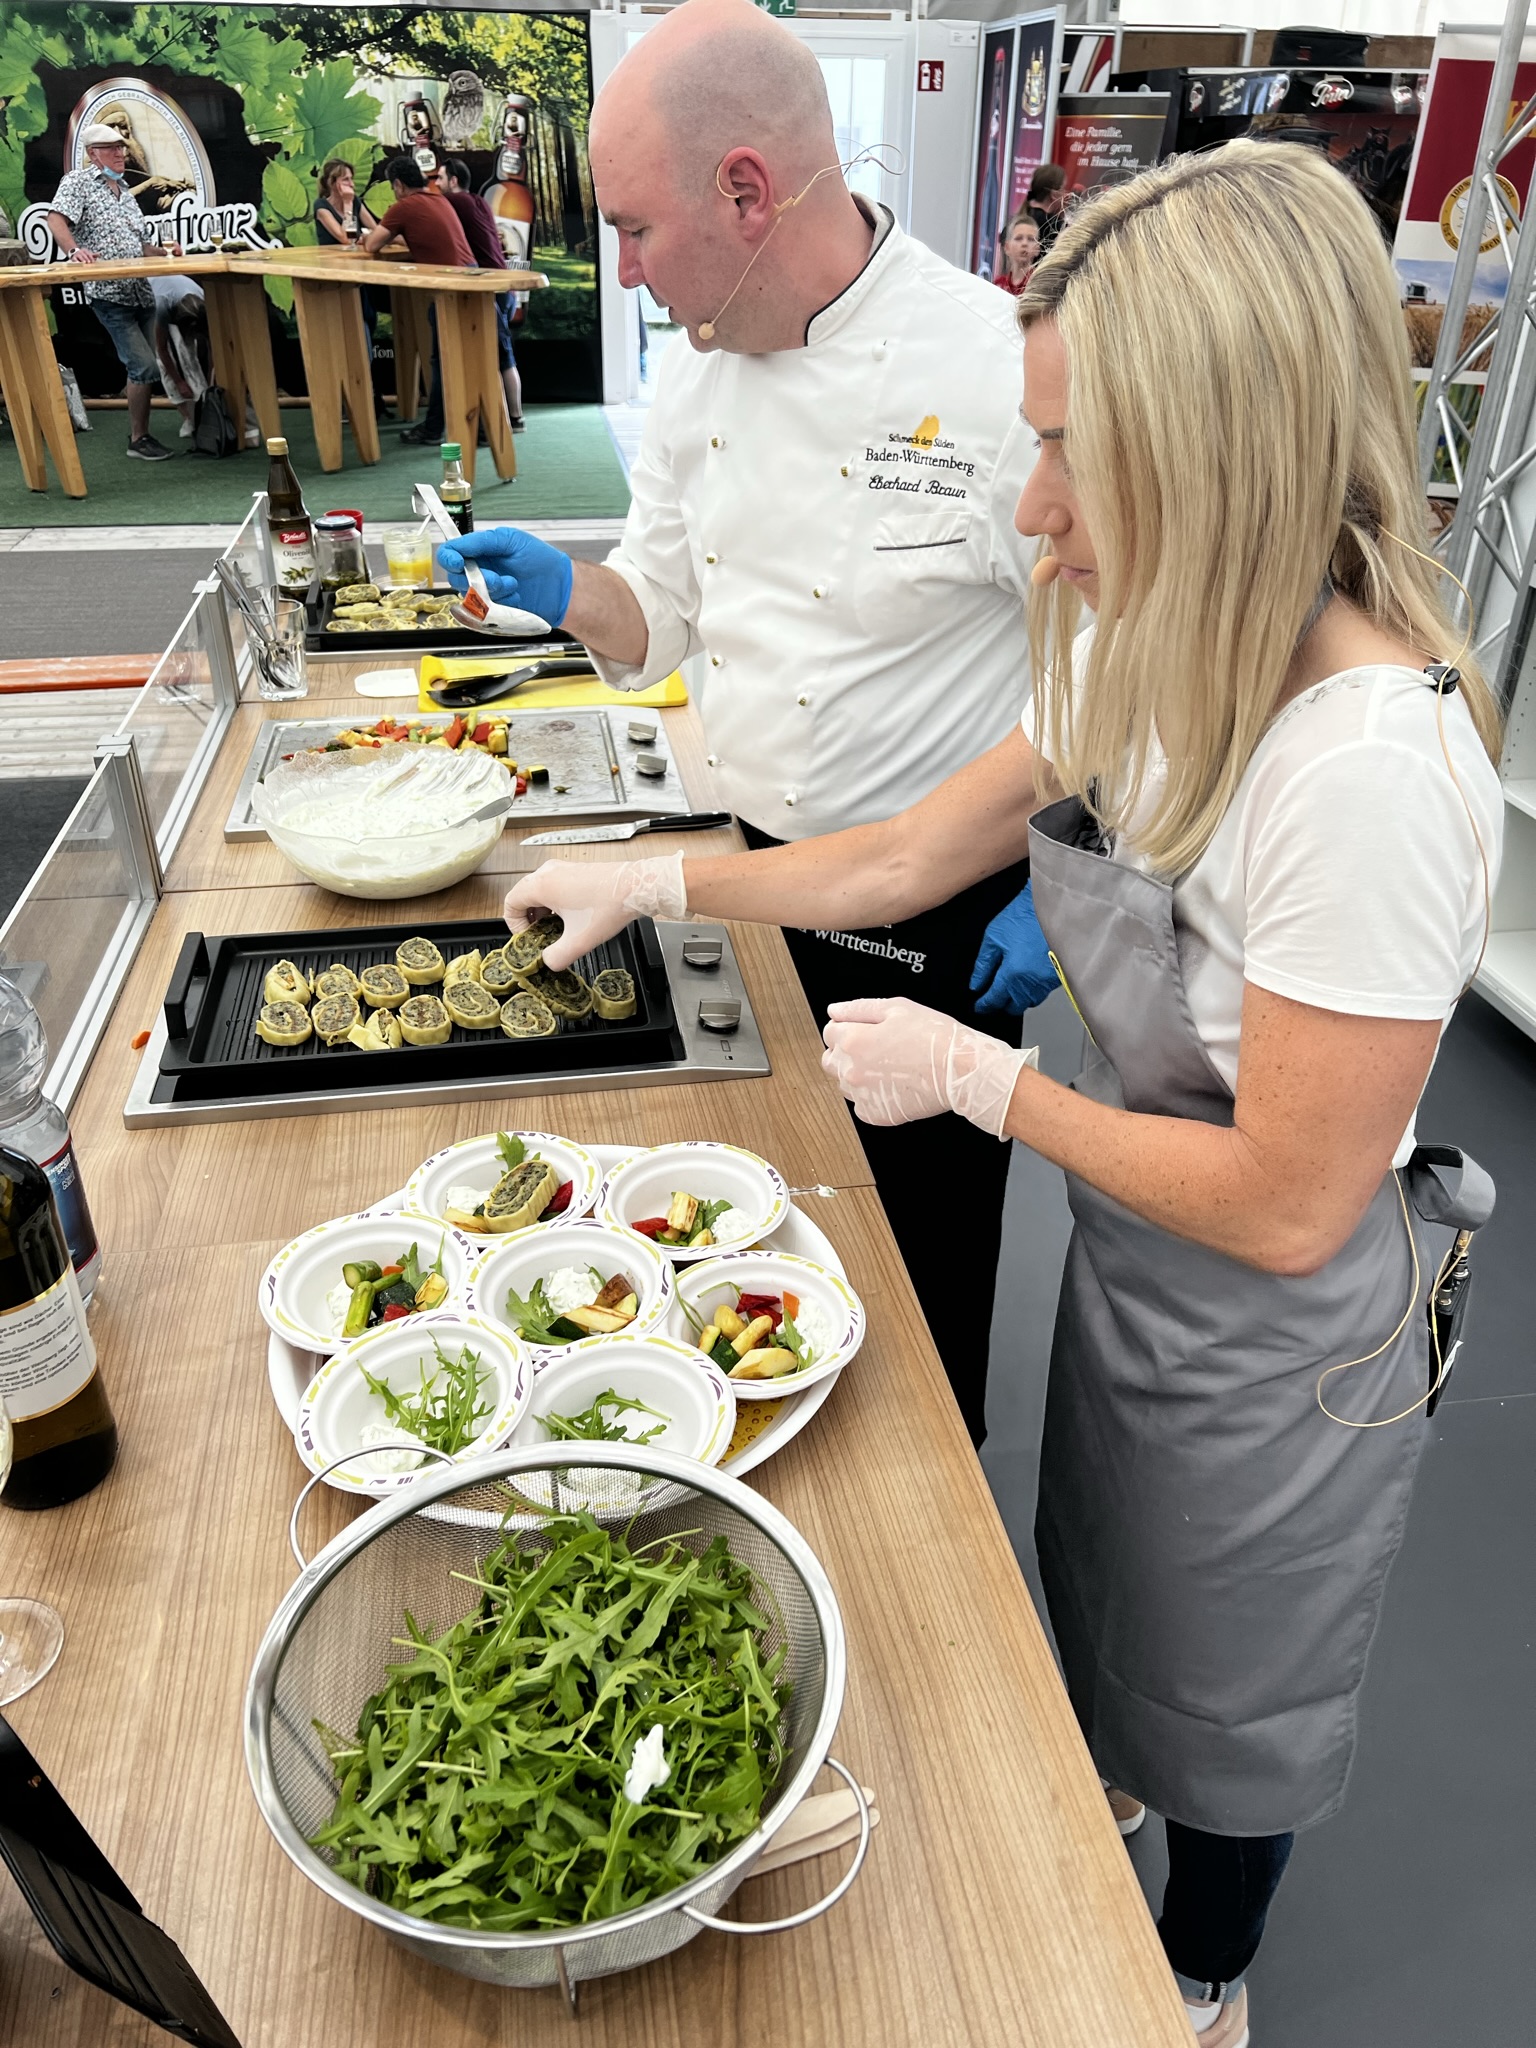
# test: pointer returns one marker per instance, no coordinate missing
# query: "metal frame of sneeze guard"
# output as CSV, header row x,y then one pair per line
x,y
200,679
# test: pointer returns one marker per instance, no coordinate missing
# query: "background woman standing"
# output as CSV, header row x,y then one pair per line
x,y
1264,824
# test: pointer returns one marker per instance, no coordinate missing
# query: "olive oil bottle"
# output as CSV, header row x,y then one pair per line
x,y
66,1439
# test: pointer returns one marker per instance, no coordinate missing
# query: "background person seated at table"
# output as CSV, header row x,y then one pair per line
x,y
479,225
340,216
430,230
95,218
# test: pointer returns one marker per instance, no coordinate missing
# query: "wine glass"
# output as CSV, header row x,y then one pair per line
x,y
31,1633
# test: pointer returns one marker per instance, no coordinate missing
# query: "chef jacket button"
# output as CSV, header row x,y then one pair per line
x,y
711,559
878,351
846,470
713,760
802,698
821,590
717,661
717,440
791,798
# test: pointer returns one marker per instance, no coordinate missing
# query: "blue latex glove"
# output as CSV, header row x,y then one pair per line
x,y
518,569
1014,967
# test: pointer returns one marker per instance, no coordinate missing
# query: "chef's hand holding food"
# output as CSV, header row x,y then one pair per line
x,y
1013,969
897,1062
518,569
596,899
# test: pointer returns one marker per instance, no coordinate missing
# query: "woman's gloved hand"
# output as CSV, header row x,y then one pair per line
x,y
1013,968
596,899
518,569
896,1062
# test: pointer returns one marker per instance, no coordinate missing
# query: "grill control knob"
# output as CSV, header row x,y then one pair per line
x,y
703,953
651,764
720,1013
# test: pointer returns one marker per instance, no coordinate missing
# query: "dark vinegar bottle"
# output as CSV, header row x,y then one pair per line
x,y
66,1439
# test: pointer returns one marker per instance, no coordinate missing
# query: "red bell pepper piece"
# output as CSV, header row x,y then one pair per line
x,y
560,1200
482,732
395,1310
650,1226
522,786
751,1306
455,732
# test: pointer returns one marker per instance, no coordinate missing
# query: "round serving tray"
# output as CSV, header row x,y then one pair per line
x,y
290,1370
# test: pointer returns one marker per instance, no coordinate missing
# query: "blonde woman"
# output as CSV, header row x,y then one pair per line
x,y
1263,822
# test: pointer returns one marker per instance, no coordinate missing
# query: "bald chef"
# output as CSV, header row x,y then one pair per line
x,y
822,507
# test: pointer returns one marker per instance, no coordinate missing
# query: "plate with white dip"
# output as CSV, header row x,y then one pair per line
x,y
462,1175
304,1295
737,1198
570,1267
815,1308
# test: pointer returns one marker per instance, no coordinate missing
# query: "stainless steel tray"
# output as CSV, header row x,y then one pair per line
x,y
592,762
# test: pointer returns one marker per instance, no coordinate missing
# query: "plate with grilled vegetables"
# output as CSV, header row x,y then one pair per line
x,y
508,1181
552,1288
356,1273
773,1323
696,1199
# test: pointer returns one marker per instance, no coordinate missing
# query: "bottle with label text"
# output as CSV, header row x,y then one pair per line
x,y
31,1124
292,529
508,196
455,490
65,1437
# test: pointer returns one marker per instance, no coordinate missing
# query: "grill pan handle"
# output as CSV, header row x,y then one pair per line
x,y
367,1451
191,964
822,1905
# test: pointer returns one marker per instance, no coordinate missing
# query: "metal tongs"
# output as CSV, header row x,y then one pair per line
x,y
477,611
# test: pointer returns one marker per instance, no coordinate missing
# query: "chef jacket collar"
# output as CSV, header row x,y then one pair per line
x,y
821,326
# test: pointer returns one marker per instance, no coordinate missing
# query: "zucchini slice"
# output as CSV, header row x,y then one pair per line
x,y
497,974
386,988
334,1018
613,993
283,1023
419,961
525,949
520,1197
424,1021
463,964
524,1016
336,981
380,1033
566,993
469,1004
285,983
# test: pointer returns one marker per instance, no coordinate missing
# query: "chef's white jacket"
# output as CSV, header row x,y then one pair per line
x,y
832,527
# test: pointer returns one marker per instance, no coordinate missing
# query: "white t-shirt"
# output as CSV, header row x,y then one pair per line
x,y
1345,874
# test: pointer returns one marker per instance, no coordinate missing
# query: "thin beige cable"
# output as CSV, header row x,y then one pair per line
x,y
869,154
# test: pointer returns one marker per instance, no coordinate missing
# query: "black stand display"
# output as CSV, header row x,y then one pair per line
x,y
92,1919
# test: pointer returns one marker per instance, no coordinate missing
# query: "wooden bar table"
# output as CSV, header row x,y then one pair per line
x,y
997,1906
328,303
239,343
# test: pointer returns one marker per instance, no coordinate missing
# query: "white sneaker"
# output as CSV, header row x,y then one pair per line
x,y
1129,1813
1224,2026
186,431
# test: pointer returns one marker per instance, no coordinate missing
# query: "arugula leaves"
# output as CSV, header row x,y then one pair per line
x,y
485,1784
537,1321
444,1412
593,1426
513,1151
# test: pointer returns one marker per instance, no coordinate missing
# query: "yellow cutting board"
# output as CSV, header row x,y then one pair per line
x,y
541,696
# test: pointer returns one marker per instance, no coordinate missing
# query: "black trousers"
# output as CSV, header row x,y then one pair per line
x,y
943,1164
1218,1896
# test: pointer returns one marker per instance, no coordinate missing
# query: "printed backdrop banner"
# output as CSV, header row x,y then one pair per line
x,y
1036,72
230,111
992,132
1104,138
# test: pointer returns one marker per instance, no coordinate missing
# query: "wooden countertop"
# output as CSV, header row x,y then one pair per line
x,y
997,1905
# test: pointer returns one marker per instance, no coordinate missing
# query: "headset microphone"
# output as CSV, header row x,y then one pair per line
x,y
1046,570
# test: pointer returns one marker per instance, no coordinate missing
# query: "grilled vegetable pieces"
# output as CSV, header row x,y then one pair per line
x,y
383,1294
485,1784
689,1221
529,1191
755,1340
614,1305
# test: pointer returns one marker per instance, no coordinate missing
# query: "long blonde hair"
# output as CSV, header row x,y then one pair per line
x,y
1239,429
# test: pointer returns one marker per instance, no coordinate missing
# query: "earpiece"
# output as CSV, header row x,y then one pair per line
x,y
1046,570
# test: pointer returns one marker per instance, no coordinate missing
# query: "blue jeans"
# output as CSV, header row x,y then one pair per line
x,y
132,329
506,308
1218,1895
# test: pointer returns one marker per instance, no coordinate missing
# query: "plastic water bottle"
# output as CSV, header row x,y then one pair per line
x,y
34,1126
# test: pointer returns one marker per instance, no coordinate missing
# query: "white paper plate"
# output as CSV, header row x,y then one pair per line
x,y
531,1255
292,1292
290,1369
715,1281
644,1185
475,1162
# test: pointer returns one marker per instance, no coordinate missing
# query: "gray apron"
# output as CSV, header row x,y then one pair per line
x,y
1213,1547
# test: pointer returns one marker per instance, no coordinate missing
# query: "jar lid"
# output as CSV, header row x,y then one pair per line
x,y
336,522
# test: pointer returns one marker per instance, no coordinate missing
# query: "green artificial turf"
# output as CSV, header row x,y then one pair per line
x,y
567,468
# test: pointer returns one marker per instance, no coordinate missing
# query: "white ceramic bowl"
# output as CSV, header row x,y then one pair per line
x,y
714,1283
292,1293
692,1393
518,1261
643,1187
338,1405
334,818
476,1163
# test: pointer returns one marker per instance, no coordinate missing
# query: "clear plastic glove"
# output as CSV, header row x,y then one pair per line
x,y
896,1062
518,569
596,898
1013,968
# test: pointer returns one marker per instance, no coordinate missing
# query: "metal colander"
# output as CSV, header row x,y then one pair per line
x,y
324,1656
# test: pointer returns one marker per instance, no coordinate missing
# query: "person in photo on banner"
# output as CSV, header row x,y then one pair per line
x,y
1259,792
822,510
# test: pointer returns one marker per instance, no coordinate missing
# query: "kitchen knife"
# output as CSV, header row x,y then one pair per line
x,y
469,691
587,835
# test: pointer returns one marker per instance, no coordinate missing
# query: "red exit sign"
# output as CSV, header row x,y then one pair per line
x,y
930,75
